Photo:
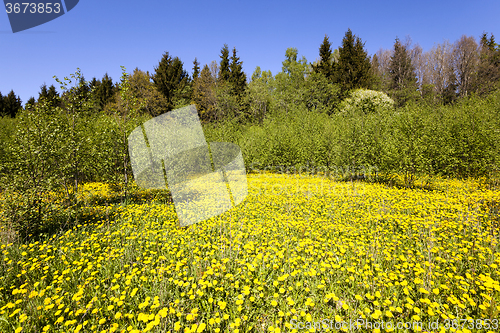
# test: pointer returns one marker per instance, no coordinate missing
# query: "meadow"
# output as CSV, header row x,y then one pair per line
x,y
300,248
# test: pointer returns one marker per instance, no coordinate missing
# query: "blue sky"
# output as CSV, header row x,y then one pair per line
x,y
101,36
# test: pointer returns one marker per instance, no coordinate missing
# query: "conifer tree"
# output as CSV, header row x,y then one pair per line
x,y
325,65
11,104
196,69
488,71
402,73
43,92
2,113
204,95
352,71
224,70
30,103
53,96
104,91
237,78
172,81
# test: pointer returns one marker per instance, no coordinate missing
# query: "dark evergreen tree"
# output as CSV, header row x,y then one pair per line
x,y
172,81
94,83
44,93
488,72
224,70
237,77
2,112
196,69
204,95
104,91
12,104
326,63
403,84
53,96
352,71
30,103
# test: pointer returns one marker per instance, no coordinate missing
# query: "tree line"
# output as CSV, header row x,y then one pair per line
x,y
221,89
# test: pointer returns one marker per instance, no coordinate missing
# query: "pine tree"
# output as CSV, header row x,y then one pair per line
x,y
353,68
224,71
325,65
172,81
196,69
403,84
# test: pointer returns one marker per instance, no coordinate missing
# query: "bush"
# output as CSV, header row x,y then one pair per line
x,y
366,101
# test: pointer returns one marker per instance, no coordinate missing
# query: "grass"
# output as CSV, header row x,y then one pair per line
x,y
298,249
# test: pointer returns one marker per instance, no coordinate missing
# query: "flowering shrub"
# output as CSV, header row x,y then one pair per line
x,y
366,101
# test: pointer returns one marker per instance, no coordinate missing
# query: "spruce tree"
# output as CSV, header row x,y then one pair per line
x,y
104,91
44,93
30,103
224,71
402,73
196,69
325,65
488,72
352,71
204,95
53,96
237,78
12,104
172,81
2,112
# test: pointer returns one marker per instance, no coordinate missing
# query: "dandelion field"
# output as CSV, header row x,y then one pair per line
x,y
302,248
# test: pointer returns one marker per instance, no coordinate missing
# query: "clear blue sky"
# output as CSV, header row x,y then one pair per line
x,y
101,36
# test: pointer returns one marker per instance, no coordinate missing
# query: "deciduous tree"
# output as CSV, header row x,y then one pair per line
x,y
465,58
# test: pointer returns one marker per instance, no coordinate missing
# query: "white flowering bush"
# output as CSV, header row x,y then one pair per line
x,y
366,101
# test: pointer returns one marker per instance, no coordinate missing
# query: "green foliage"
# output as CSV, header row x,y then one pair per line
x,y
224,70
326,63
352,71
459,140
7,129
259,95
403,86
38,150
172,81
289,85
10,105
54,150
237,78
320,94
104,91
204,95
196,69
151,101
50,95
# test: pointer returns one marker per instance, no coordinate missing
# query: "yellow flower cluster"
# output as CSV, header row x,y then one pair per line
x,y
298,248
